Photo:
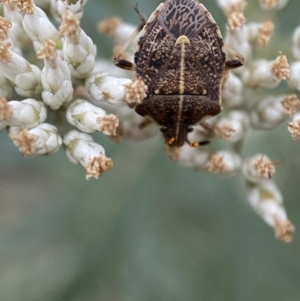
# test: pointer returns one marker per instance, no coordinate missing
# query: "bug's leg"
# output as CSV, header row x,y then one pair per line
x,y
196,144
118,61
124,64
234,63
141,16
206,126
144,123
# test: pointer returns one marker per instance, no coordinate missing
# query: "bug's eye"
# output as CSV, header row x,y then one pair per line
x,y
189,129
163,129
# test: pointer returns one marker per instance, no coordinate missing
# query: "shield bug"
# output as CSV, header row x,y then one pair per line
x,y
181,61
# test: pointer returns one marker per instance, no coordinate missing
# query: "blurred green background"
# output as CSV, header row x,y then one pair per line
x,y
148,230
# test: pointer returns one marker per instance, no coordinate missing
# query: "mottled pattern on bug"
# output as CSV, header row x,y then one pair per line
x,y
181,60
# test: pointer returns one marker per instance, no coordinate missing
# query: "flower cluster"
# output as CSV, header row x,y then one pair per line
x,y
265,113
33,91
69,79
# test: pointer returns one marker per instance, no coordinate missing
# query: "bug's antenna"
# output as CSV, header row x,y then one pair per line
x,y
118,61
141,16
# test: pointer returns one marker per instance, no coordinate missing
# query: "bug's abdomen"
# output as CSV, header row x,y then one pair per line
x,y
169,110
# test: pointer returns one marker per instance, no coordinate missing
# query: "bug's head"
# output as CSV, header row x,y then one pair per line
x,y
177,137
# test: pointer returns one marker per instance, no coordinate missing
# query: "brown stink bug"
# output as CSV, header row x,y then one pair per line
x,y
181,61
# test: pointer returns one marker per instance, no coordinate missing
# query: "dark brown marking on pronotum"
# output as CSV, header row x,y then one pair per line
x,y
180,58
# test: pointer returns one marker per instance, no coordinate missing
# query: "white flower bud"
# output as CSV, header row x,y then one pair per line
x,y
258,168
55,77
191,157
38,141
80,57
232,94
12,15
5,87
27,113
224,4
88,118
268,113
3,125
26,77
103,87
270,4
224,162
62,95
115,27
296,116
81,148
78,49
16,33
58,7
238,40
233,127
296,43
39,28
294,80
253,31
266,199
294,126
260,33
259,75
28,84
